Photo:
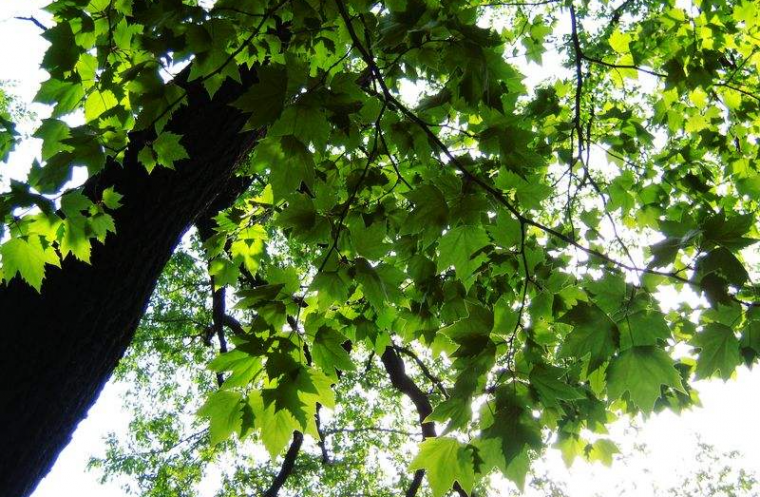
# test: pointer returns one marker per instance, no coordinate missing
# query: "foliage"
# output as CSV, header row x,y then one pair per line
x,y
414,198
12,112
712,472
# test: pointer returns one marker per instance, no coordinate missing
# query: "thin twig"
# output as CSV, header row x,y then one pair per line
x,y
34,21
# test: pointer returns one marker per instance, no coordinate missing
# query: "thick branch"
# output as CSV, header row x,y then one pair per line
x,y
218,313
322,434
288,463
396,369
233,324
425,370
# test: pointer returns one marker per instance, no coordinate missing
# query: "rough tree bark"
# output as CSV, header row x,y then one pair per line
x,y
60,347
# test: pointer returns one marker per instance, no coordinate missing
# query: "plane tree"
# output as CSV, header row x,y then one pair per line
x,y
377,184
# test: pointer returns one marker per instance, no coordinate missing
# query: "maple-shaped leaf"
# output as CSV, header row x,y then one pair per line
x,y
276,426
643,328
27,257
224,410
165,151
331,289
719,351
265,99
457,248
445,461
248,247
471,333
328,351
642,371
517,469
513,425
372,284
430,210
243,367
603,450
594,334
74,240
307,123
550,387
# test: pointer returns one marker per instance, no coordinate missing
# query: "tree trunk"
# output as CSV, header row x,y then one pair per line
x,y
60,347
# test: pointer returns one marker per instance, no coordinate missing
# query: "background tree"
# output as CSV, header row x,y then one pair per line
x,y
364,445
507,241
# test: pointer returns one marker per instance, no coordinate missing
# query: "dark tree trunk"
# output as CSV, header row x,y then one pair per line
x,y
59,348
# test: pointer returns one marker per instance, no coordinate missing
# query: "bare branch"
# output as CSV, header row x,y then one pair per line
x,y
34,21
365,429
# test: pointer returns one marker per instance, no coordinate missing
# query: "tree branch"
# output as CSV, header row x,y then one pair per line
x,y
396,369
34,21
233,324
288,463
423,367
322,434
579,57
218,313
333,431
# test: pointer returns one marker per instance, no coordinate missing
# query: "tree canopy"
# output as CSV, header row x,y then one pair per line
x,y
479,206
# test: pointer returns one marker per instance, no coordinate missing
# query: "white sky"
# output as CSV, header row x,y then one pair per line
x,y
728,420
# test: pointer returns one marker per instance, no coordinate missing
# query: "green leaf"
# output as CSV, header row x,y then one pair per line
x,y
491,452
248,247
445,461
99,102
603,451
643,328
471,333
328,351
166,151
305,122
594,335
551,389
719,351
722,262
372,284
276,426
73,203
609,292
224,409
513,425
507,231
75,240
619,41
243,367
369,240
265,99
224,272
330,288
530,192
27,257
430,210
111,198
641,371
457,247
